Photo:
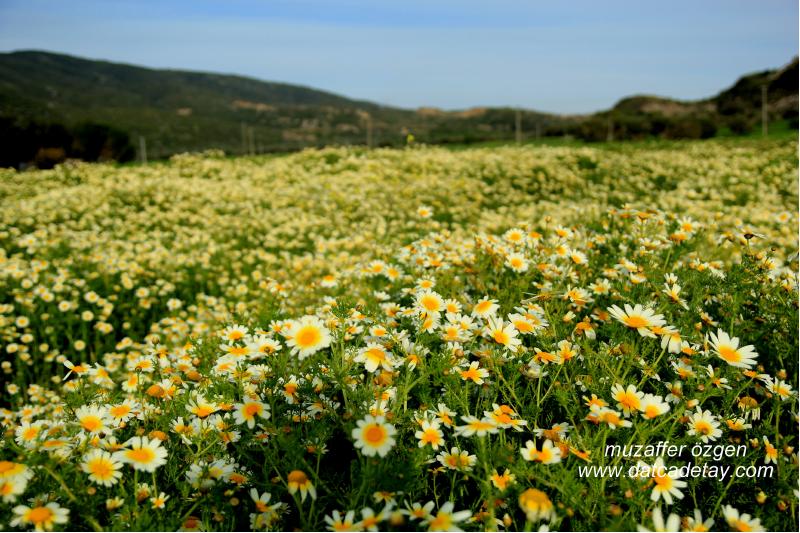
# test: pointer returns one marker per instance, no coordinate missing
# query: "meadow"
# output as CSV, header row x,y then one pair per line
x,y
404,339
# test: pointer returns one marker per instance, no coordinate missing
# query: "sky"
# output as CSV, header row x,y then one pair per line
x,y
575,56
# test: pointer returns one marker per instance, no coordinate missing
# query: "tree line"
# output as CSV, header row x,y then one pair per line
x,y
28,143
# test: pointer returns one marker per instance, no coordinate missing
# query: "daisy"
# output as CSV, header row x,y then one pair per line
x,y
417,511
290,387
307,336
673,522
248,411
262,501
523,324
536,505
474,373
373,436
429,303
638,317
102,468
9,469
485,308
430,434
337,522
122,412
457,459
517,262
452,306
567,351
609,416
674,293
728,349
628,399
670,338
704,424
652,406
27,434
770,451
370,520
92,419
667,482
159,501
424,211
375,357
298,480
42,518
445,519
79,369
516,236
502,481
502,333
444,414
697,523
738,424
476,426
234,333
144,454
11,487
505,417
549,454
741,522
556,433
781,388
328,281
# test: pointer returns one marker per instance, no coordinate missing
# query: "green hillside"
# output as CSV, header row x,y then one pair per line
x,y
187,111
54,106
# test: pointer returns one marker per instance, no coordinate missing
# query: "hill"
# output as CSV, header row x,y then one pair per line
x,y
737,108
54,106
177,111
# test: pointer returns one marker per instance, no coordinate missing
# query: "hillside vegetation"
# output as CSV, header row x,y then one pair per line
x,y
54,107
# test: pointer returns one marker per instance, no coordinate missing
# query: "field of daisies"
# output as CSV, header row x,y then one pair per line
x,y
512,338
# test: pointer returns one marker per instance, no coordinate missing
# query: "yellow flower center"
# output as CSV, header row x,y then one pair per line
x,y
534,500
483,307
729,354
141,455
635,321
523,326
39,515
375,435
307,336
203,411
91,423
701,426
665,482
430,302
430,436
297,477
252,409
629,400
651,411
501,337
119,411
101,468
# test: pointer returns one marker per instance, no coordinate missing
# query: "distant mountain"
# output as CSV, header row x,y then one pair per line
x,y
179,111
737,108
54,106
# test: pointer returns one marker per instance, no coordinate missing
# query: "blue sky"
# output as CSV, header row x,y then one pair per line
x,y
561,56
